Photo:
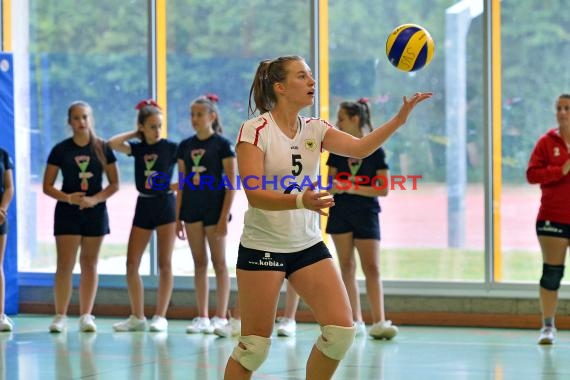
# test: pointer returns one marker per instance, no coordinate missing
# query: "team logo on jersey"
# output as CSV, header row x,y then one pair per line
x,y
83,162
354,164
197,155
556,151
310,144
149,161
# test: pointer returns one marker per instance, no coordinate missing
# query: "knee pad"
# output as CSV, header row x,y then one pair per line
x,y
551,276
255,352
335,341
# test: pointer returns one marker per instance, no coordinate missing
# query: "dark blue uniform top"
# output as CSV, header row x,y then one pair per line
x,y
80,167
353,166
149,159
203,179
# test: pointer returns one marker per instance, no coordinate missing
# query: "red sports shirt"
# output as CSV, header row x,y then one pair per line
x,y
545,168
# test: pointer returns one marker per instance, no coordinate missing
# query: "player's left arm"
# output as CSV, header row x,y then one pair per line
x,y
229,164
112,173
376,186
7,195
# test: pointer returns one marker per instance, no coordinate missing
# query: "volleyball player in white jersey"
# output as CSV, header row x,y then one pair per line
x,y
278,154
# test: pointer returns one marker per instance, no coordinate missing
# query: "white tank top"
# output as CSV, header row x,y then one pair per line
x,y
287,161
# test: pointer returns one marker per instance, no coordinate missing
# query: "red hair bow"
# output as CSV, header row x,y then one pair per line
x,y
363,100
147,102
213,97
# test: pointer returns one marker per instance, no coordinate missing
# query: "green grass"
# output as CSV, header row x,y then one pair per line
x,y
456,265
46,254
427,264
432,264
522,266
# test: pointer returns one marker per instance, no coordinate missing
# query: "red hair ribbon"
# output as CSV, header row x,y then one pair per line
x,y
363,100
147,102
213,97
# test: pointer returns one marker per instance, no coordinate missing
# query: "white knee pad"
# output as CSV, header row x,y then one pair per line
x,y
335,341
255,352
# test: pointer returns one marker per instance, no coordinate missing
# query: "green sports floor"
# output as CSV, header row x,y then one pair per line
x,y
30,352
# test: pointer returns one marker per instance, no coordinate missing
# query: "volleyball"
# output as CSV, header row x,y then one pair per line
x,y
410,47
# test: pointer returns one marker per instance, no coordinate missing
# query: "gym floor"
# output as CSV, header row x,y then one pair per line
x,y
30,352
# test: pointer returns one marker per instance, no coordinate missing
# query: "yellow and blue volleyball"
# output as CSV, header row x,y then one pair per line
x,y
410,47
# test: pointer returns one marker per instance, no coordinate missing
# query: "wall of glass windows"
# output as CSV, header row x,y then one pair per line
x,y
104,52
532,81
439,225
218,53
97,53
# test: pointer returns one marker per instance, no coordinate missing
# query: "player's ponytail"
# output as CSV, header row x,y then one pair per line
x,y
365,118
269,72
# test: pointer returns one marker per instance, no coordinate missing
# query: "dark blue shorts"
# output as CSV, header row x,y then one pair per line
x,y
361,221
548,228
208,212
4,228
70,220
155,211
253,259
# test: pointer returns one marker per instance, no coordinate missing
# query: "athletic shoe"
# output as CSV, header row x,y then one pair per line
x,y
286,326
87,323
158,324
383,330
230,329
58,324
6,323
547,335
360,328
131,324
216,322
198,325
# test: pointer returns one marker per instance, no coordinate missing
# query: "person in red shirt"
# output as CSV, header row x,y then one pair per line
x,y
549,166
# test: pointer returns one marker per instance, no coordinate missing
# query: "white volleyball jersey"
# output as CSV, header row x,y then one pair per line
x,y
287,162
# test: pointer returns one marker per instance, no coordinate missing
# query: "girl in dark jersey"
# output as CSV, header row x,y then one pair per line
x,y
80,219
6,194
204,200
549,166
155,158
353,221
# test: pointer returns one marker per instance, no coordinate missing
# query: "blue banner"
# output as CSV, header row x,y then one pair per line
x,y
8,142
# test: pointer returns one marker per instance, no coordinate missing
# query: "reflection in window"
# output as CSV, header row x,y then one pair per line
x,y
530,87
218,52
95,52
419,241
